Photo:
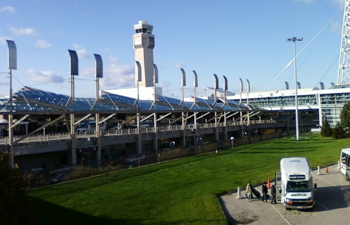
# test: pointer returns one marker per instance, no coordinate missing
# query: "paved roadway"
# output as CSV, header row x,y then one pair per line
x,y
332,199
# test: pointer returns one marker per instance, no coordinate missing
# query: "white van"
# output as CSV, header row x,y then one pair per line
x,y
345,162
143,124
296,186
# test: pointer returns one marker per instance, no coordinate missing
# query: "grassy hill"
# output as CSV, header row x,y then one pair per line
x,y
182,191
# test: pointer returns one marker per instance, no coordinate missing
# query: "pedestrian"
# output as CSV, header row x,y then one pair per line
x,y
273,193
249,190
264,192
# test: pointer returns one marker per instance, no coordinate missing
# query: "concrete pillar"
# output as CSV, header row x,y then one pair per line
x,y
225,127
239,193
155,139
139,136
183,130
73,155
98,138
216,127
10,135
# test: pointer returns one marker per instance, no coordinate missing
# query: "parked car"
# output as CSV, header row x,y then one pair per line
x,y
135,158
59,177
143,124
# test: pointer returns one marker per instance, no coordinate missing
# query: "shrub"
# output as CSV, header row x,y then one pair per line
x,y
326,130
338,132
15,207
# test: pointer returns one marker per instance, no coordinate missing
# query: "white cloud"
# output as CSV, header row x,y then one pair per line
x,y
116,75
4,83
87,72
23,31
82,52
44,77
164,84
335,27
339,3
3,40
42,44
179,65
9,9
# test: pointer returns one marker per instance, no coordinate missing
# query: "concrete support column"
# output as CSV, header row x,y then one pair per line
x,y
98,138
195,129
155,139
139,136
183,129
73,155
10,135
216,127
225,127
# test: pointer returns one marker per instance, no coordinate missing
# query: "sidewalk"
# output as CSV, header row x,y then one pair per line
x,y
241,211
256,212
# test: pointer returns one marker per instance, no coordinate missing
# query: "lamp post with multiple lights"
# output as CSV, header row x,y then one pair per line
x,y
294,39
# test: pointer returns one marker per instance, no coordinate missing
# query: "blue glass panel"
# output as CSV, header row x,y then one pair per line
x,y
3,102
196,106
162,106
109,105
118,98
227,106
105,106
81,104
241,105
42,96
21,105
206,101
172,102
169,100
144,105
188,105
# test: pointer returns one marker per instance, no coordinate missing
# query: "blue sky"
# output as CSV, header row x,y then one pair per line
x,y
236,38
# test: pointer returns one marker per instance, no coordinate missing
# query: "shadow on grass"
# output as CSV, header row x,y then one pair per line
x,y
292,149
51,214
272,152
48,213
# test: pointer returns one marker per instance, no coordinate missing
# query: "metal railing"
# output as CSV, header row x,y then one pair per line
x,y
63,137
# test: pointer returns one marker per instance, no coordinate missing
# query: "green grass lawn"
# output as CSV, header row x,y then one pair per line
x,y
182,191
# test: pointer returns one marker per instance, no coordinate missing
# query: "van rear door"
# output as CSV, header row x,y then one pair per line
x,y
278,187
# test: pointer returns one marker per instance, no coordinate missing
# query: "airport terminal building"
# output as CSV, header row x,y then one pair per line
x,y
45,128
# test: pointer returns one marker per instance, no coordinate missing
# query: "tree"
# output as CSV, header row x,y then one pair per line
x,y
338,131
326,130
15,206
345,115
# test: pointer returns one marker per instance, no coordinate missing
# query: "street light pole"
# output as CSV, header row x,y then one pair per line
x,y
294,39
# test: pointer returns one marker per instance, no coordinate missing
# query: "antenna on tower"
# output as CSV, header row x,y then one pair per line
x,y
344,61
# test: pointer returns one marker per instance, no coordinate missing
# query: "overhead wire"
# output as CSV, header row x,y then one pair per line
x,y
307,45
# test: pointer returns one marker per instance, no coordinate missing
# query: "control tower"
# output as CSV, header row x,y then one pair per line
x,y
143,42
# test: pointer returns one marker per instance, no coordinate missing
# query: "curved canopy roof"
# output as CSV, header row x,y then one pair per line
x,y
29,99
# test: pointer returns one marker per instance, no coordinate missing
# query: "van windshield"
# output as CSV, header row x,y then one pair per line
x,y
298,186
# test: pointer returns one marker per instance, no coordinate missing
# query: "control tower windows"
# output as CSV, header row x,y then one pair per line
x,y
151,42
143,30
